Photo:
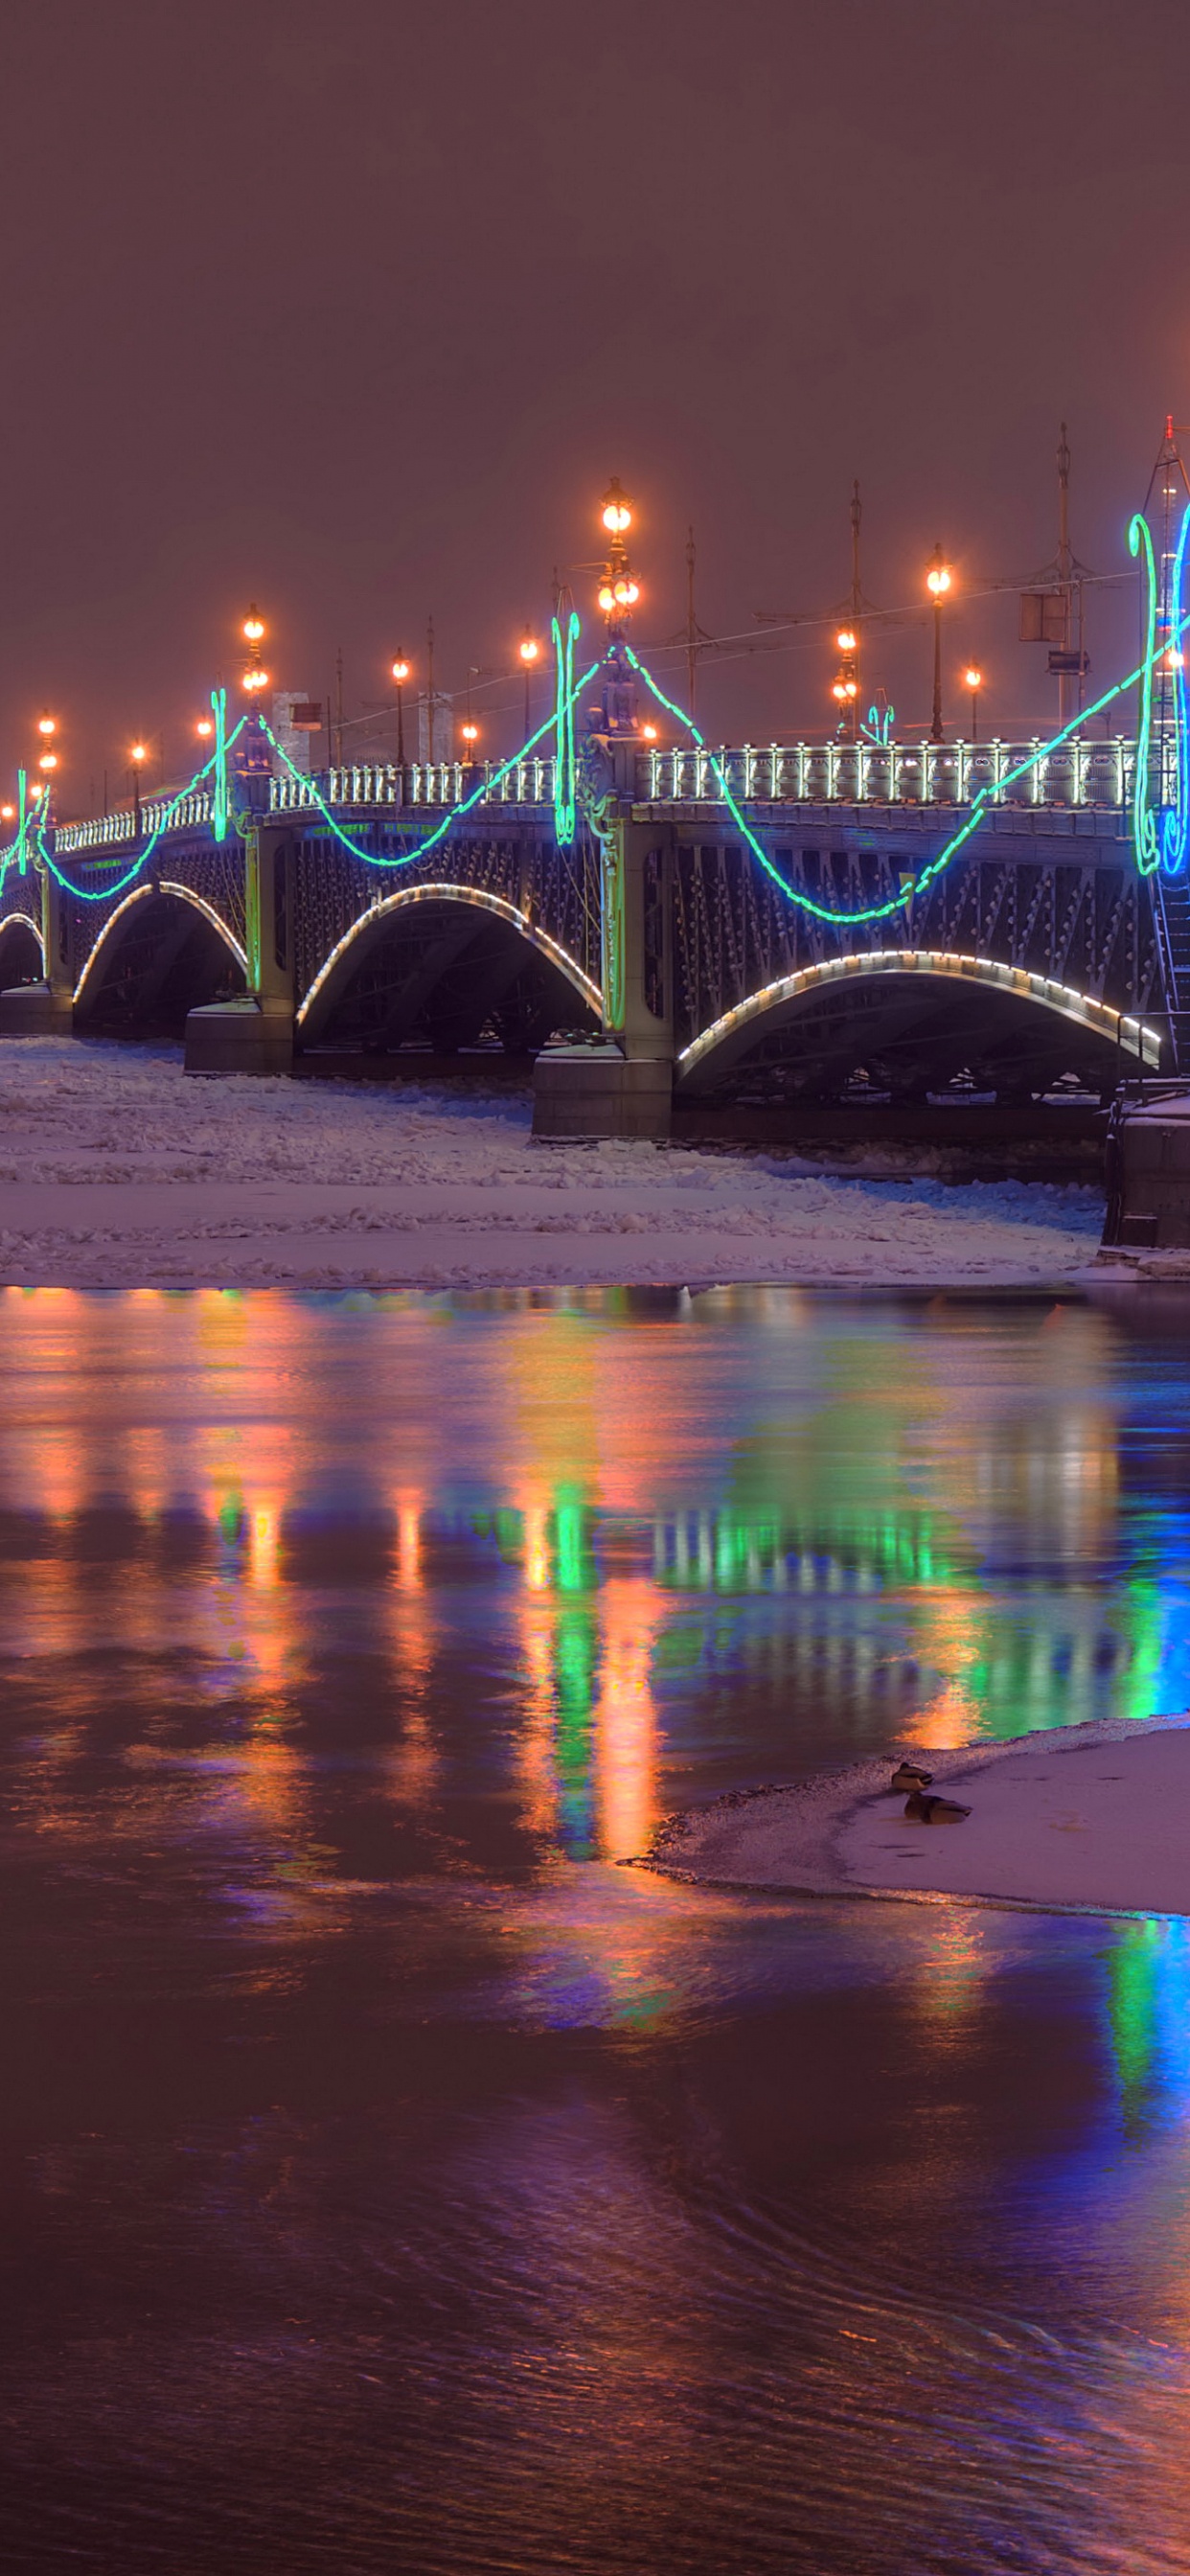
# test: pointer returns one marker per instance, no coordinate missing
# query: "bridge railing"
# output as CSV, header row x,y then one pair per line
x,y
1090,772
117,832
381,783
1087,771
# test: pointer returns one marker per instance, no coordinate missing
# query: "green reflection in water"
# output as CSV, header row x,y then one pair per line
x,y
1148,2019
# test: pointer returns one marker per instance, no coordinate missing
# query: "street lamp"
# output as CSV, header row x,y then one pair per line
x,y
938,582
138,756
618,594
973,680
400,672
845,687
256,677
470,736
530,653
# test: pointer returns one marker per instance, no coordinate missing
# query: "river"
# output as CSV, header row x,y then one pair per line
x,y
391,2178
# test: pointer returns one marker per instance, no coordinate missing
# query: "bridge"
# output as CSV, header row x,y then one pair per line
x,y
654,926
754,922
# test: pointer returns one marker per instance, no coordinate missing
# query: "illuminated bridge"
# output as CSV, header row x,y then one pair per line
x,y
757,923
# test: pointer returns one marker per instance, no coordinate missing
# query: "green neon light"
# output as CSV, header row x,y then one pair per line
x,y
219,809
103,894
564,791
431,839
986,796
1160,839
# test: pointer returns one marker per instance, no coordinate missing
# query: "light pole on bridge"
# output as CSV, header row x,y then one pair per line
x,y
938,581
973,680
530,653
619,592
138,756
400,672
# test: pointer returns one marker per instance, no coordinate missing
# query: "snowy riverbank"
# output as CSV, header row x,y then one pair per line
x,y
1091,1817
117,1170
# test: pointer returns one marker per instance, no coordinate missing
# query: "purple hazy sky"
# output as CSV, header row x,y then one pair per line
x,y
352,310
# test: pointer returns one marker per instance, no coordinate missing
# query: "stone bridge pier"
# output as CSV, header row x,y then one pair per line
x,y
622,1086
254,1032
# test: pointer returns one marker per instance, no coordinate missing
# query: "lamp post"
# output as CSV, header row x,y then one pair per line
x,y
138,756
845,689
618,594
400,672
47,762
938,582
530,653
255,677
973,680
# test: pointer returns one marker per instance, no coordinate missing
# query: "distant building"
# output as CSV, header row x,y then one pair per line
x,y
295,718
435,726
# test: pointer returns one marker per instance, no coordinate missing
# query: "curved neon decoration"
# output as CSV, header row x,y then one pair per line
x,y
481,901
1070,1004
1160,832
140,894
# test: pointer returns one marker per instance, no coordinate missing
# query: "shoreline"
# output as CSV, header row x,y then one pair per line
x,y
840,1833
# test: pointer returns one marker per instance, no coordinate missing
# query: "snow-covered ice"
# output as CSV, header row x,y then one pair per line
x,y
118,1170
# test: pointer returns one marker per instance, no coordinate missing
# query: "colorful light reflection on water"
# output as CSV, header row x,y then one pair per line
x,y
392,2177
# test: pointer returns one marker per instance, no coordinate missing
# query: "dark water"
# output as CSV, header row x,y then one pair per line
x,y
390,2181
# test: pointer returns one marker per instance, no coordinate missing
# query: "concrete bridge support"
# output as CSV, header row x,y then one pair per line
x,y
623,1085
45,1009
254,1034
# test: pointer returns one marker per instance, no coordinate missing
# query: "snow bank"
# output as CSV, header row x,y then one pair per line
x,y
118,1170
1090,1816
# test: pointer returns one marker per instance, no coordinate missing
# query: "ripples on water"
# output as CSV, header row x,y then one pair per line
x,y
390,2179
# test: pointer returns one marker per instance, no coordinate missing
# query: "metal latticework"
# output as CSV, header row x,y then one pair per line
x,y
557,890
1082,922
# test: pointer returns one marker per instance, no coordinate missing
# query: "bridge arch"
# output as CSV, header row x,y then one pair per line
x,y
162,952
22,954
442,961
922,1015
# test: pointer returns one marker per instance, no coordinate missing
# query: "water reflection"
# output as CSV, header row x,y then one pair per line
x,y
849,1529
391,2181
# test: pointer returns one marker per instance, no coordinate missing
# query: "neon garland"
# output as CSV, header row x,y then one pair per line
x,y
431,839
564,789
985,797
219,807
116,885
1161,841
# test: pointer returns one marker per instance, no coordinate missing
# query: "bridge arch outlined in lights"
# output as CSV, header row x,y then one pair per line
x,y
336,971
728,1036
111,933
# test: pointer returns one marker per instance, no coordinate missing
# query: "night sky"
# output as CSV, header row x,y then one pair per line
x,y
352,310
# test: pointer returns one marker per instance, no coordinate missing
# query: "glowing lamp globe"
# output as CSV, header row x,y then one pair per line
x,y
400,669
938,580
650,732
972,678
845,640
617,513
46,725
839,691
607,598
204,728
48,760
470,733
529,649
253,625
8,813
